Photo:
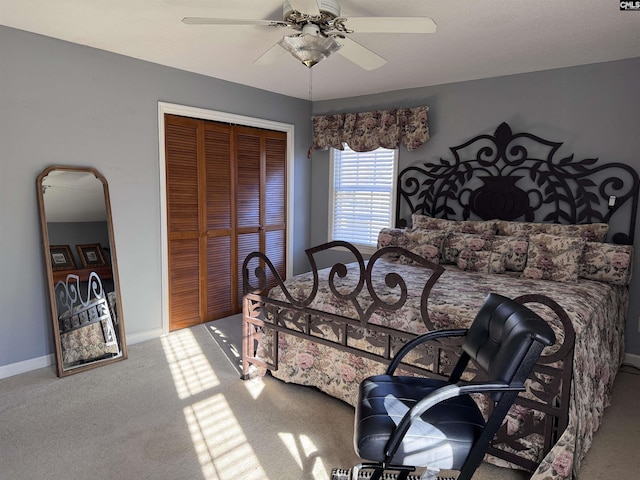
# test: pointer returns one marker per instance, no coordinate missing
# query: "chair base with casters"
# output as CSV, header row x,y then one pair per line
x,y
403,422
365,471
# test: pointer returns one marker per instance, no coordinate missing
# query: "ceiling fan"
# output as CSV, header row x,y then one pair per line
x,y
322,31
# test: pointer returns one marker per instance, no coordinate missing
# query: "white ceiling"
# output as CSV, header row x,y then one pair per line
x,y
475,39
71,196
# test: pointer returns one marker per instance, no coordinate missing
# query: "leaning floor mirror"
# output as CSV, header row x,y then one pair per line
x,y
81,266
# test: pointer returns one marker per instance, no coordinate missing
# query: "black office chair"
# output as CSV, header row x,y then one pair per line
x,y
405,422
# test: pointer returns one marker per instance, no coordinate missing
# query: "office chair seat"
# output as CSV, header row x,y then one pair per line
x,y
442,437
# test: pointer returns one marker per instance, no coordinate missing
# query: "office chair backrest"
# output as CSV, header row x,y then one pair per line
x,y
495,339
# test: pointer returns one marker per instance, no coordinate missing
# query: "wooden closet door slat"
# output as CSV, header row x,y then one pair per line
x,y
184,281
248,175
182,176
219,278
275,249
217,144
247,243
275,180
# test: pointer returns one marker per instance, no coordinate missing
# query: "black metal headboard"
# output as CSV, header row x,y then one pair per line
x,y
511,176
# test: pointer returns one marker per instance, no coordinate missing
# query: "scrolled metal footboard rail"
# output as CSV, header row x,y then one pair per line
x,y
296,317
365,279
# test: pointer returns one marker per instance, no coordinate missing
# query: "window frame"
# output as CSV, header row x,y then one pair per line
x,y
363,248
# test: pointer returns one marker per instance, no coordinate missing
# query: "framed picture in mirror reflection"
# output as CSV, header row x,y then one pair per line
x,y
91,255
61,257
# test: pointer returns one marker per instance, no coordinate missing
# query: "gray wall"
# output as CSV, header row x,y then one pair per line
x,y
62,103
593,109
66,104
79,233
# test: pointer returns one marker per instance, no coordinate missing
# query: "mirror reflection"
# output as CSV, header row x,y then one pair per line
x,y
80,261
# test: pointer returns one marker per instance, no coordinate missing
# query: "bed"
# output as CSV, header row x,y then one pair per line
x,y
502,215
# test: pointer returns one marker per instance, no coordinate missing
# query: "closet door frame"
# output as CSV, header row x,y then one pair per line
x,y
205,114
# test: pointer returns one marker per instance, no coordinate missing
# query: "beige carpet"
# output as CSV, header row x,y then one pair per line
x,y
176,409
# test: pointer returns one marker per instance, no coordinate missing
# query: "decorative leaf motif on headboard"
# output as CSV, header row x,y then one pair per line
x,y
511,176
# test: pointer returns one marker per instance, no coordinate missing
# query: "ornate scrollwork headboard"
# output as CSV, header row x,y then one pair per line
x,y
511,176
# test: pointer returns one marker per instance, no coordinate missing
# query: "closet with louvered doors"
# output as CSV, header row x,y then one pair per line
x,y
226,197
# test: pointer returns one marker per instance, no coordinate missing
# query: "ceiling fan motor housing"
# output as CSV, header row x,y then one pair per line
x,y
329,10
310,29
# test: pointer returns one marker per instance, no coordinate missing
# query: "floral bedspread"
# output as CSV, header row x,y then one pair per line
x,y
597,311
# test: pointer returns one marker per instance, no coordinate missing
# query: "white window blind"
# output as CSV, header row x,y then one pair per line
x,y
363,194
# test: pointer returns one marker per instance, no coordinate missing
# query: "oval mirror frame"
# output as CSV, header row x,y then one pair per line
x,y
85,302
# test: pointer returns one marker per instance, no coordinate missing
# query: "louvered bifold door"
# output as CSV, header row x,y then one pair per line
x,y
219,221
261,198
226,196
182,169
275,214
248,172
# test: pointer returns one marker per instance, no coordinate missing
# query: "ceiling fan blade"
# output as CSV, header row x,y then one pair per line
x,y
271,56
231,21
391,25
310,7
360,55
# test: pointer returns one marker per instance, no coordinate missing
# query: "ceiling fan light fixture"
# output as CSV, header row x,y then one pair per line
x,y
308,48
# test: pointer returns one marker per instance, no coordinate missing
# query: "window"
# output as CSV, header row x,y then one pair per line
x,y
363,195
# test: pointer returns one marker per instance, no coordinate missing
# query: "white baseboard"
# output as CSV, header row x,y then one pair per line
x,y
132,339
631,359
26,365
47,360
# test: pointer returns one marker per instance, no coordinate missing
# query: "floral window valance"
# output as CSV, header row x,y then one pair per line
x,y
367,131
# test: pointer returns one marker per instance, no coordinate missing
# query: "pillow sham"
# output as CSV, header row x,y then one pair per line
x,y
481,261
553,257
455,242
465,226
426,243
607,262
392,237
514,250
591,232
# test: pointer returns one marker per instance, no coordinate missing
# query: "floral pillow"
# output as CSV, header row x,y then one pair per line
x,y
552,257
514,250
465,226
426,243
590,232
392,237
606,262
455,243
481,261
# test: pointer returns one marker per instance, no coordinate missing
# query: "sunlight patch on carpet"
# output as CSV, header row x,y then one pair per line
x,y
222,337
191,371
305,453
222,448
254,386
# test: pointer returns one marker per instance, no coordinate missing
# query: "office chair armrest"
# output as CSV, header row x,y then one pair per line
x,y
425,337
438,396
